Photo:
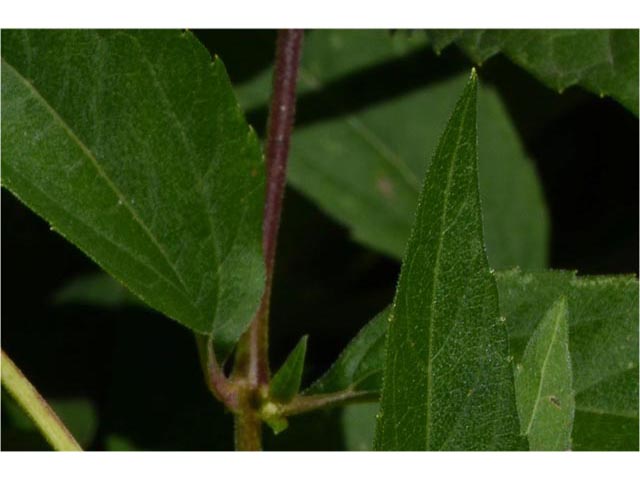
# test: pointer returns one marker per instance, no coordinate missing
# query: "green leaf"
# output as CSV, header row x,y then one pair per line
x,y
359,366
285,384
448,380
603,333
277,423
603,322
132,146
364,168
604,62
546,404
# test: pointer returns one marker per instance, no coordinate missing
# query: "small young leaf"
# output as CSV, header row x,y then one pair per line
x,y
276,423
448,382
545,399
359,366
604,62
131,144
285,384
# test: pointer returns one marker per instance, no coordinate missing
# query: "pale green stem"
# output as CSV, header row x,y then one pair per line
x,y
36,407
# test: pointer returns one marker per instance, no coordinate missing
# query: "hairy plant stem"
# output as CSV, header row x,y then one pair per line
x,y
220,386
36,407
306,403
248,424
252,362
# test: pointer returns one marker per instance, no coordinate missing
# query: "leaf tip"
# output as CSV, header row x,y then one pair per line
x,y
285,384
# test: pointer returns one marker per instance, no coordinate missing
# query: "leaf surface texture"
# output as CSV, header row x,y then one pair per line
x,y
448,381
132,146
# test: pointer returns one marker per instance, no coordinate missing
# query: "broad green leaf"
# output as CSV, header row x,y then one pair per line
x,y
133,147
603,342
604,62
546,404
285,384
364,168
448,380
359,366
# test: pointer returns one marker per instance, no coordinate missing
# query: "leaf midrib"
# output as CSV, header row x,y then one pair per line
x,y
436,275
535,410
370,138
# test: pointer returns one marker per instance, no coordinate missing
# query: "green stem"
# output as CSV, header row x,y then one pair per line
x,y
220,386
307,403
248,431
36,407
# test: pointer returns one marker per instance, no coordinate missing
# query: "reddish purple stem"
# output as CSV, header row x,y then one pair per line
x,y
280,124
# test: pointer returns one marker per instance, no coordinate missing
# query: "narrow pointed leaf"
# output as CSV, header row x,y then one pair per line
x,y
285,384
132,146
448,381
359,366
365,170
604,62
545,398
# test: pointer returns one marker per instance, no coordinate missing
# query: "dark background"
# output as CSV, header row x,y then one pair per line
x,y
140,370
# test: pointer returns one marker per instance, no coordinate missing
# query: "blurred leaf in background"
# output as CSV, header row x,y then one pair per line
x,y
364,168
78,414
603,61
